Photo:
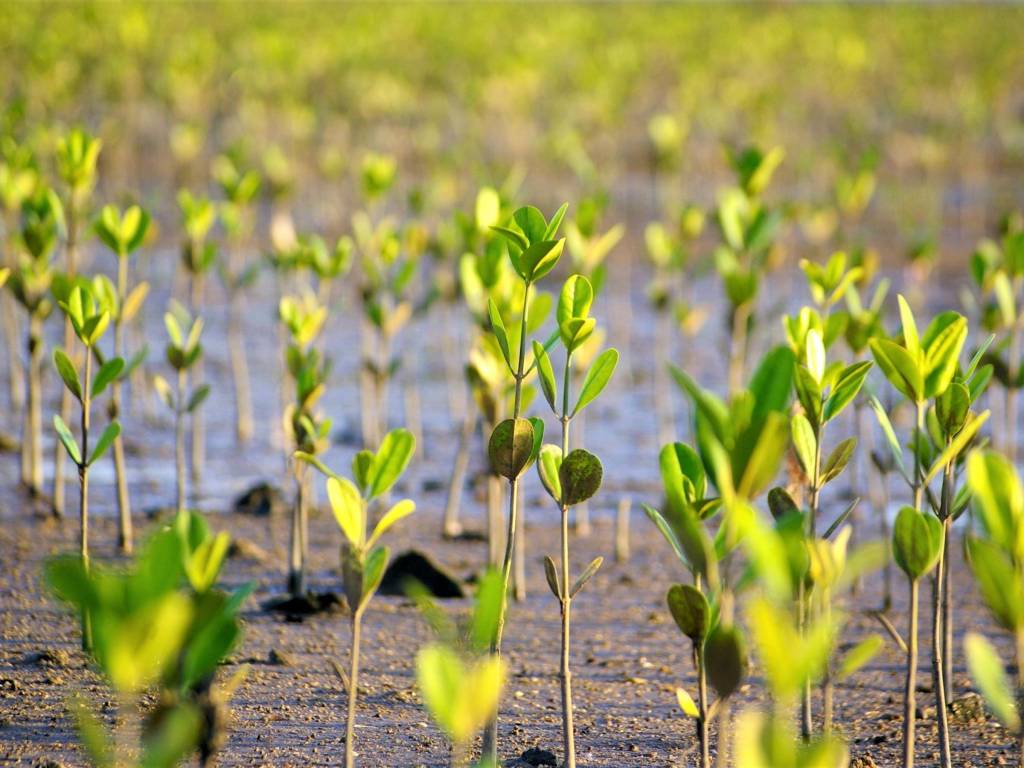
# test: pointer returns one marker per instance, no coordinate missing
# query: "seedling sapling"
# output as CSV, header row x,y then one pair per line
x,y
570,478
123,233
363,560
77,153
198,256
183,350
30,283
515,442
89,320
304,318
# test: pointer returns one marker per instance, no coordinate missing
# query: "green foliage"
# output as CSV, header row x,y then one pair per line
x,y
916,542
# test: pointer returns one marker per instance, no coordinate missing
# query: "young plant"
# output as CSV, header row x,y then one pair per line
x,y
183,351
89,320
363,560
739,446
916,547
304,318
996,555
77,153
748,228
30,283
459,681
160,623
570,478
925,368
123,233
198,256
516,441
240,188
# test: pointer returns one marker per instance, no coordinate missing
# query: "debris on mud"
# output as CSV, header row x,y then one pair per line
x,y
413,565
260,500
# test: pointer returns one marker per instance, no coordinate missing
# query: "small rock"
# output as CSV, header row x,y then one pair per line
x,y
413,565
53,657
968,709
261,500
280,658
535,756
863,761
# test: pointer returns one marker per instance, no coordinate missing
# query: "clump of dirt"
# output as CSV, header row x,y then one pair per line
x,y
261,500
969,709
415,566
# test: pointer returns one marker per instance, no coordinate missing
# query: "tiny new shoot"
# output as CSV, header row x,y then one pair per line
x,y
570,478
123,233
363,559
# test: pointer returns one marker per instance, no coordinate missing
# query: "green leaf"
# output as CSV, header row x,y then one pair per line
x,y
487,609
998,497
198,397
67,439
587,575
109,371
988,674
691,611
498,327
916,542
546,375
531,221
548,464
944,341
838,459
551,574
510,447
173,738
998,581
539,259
402,509
110,433
804,442
725,659
957,445
910,336
846,388
67,372
815,351
575,300
899,368
513,236
597,378
762,464
556,221
373,572
347,505
686,704
580,476
392,458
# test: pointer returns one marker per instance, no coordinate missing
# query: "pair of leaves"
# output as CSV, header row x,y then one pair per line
x,y
597,378
376,473
361,574
460,696
122,232
555,585
349,509
570,481
109,434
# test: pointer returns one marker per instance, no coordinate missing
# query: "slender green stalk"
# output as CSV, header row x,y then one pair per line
x,y
353,689
33,436
909,698
827,682
491,733
568,735
198,424
917,486
738,351
179,438
297,550
938,633
703,736
239,368
124,510
806,721
83,479
71,269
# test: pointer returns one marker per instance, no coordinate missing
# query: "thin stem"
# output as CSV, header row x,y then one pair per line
x,y
827,683
568,735
909,702
702,707
124,510
198,425
738,352
179,438
71,268
296,570
83,479
239,368
937,673
353,690
917,485
491,732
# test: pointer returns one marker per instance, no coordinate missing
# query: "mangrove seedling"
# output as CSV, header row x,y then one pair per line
x,y
916,547
183,350
363,560
77,153
996,555
240,188
123,234
304,318
570,478
459,681
30,282
198,256
89,320
515,442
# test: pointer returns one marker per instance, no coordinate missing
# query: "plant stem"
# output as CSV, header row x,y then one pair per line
x,y
827,683
886,537
738,351
938,633
239,368
83,479
71,268
702,706
491,732
806,722
33,418
124,510
296,559
452,527
353,690
909,702
568,736
1020,690
198,424
179,438
917,485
